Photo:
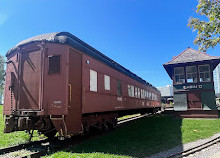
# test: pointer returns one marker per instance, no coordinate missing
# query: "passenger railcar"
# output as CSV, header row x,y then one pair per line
x,y
56,82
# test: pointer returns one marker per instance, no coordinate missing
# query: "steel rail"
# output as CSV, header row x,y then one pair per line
x,y
196,148
21,146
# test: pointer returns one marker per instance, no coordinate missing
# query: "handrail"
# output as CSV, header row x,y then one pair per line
x,y
70,92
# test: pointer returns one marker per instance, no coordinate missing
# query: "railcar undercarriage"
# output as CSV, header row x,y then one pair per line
x,y
29,121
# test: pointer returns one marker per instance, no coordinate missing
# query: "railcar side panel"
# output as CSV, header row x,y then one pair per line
x,y
50,86
30,79
108,100
55,94
11,84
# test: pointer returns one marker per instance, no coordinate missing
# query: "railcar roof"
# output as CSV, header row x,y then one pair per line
x,y
73,41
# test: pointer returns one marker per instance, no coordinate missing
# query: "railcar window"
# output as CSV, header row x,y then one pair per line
x,y
136,92
204,73
93,81
142,94
150,95
156,97
54,64
130,91
191,74
139,93
179,76
107,82
119,88
153,96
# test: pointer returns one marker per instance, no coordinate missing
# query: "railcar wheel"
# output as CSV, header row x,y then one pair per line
x,y
50,134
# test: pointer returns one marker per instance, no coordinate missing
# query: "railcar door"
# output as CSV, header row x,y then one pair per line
x,y
30,71
74,118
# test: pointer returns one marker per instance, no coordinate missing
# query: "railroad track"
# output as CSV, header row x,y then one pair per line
x,y
42,147
196,148
21,146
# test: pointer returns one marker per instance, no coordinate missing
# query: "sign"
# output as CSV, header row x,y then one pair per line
x,y
192,87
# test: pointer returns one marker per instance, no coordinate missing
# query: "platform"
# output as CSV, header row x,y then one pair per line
x,y
193,113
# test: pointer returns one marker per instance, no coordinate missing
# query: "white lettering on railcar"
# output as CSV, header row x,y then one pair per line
x,y
119,107
57,102
119,98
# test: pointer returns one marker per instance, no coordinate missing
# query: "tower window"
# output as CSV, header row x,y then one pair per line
x,y
204,73
179,76
191,74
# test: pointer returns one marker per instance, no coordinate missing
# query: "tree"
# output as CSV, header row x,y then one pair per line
x,y
2,74
208,28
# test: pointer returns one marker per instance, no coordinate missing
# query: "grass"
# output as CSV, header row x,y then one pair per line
x,y
14,138
144,138
194,129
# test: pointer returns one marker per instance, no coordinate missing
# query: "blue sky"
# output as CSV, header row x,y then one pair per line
x,y
141,35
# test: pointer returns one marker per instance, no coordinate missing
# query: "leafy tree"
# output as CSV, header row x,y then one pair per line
x,y
208,26
2,74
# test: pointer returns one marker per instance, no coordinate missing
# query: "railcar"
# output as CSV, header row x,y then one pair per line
x,y
57,83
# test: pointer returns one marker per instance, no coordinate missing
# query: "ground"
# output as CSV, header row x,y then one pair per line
x,y
143,138
9,139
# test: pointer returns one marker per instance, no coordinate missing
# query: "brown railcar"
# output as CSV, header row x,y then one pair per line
x,y
56,82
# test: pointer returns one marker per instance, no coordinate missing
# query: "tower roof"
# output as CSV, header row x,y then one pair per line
x,y
191,55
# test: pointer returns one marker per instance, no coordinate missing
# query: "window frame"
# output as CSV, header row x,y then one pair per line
x,y
184,79
136,92
119,88
191,73
50,72
107,83
93,88
139,93
209,72
129,90
132,90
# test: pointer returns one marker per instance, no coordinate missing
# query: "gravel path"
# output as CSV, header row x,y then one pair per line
x,y
205,153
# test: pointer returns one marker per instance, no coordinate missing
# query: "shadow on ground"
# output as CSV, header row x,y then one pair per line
x,y
143,138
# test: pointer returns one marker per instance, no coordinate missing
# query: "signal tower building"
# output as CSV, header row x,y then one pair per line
x,y
193,86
